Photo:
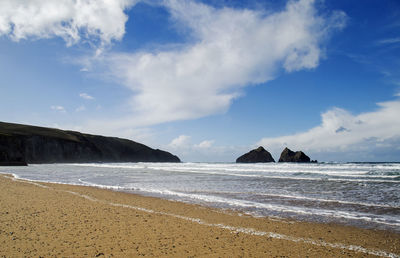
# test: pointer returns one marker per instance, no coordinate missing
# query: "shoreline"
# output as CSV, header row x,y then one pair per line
x,y
359,220
59,219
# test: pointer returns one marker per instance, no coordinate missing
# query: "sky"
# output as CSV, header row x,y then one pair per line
x,y
209,80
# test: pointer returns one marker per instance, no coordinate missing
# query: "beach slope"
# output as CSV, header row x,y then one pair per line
x,y
41,219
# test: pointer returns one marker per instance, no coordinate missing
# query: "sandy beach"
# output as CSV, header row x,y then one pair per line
x,y
48,220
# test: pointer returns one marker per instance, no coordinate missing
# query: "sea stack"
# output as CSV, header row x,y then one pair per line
x,y
259,155
290,156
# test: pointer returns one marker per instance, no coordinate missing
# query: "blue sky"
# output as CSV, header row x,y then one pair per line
x,y
209,80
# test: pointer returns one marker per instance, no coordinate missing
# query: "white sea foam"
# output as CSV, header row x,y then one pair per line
x,y
250,204
253,170
16,178
295,172
303,198
291,176
236,203
278,208
330,200
108,187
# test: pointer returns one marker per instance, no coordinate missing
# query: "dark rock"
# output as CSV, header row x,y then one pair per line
x,y
11,151
32,144
291,156
256,156
13,163
314,161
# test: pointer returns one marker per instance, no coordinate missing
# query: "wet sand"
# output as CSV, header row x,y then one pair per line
x,y
41,219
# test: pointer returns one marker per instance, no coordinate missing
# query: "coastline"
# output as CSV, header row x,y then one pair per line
x,y
44,219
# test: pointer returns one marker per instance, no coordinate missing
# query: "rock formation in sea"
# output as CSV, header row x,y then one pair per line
x,y
21,144
256,156
290,156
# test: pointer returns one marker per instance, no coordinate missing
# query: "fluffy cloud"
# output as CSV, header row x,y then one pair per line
x,y
72,20
205,144
86,96
229,50
203,151
182,141
342,132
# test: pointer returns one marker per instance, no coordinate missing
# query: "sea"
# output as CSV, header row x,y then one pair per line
x,y
365,195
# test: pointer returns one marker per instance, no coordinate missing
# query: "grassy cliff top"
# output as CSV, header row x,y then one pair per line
x,y
11,129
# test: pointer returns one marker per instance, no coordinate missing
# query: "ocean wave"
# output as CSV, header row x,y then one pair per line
x,y
379,219
295,172
297,197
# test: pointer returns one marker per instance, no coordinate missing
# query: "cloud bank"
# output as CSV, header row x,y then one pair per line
x,y
229,49
355,137
95,21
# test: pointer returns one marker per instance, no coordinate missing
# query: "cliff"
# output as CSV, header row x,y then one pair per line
x,y
33,144
256,156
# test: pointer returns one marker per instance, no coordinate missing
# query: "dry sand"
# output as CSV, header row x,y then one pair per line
x,y
53,220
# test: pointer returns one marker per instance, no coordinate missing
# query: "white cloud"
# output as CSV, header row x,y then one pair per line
x,y
205,151
72,20
60,109
86,96
204,144
389,41
229,50
342,132
185,142
182,141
